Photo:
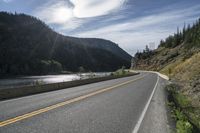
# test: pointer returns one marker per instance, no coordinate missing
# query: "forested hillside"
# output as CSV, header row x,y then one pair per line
x,y
29,46
182,44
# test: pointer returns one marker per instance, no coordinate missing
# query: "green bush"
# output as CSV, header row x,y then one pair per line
x,y
183,127
121,71
182,100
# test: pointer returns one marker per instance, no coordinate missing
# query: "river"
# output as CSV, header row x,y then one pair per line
x,y
46,79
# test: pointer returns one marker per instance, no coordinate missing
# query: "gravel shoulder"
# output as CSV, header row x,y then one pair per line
x,y
157,119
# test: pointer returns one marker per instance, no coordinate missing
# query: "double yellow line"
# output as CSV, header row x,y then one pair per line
x,y
43,110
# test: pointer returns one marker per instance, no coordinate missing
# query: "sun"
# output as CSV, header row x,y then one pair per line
x,y
62,14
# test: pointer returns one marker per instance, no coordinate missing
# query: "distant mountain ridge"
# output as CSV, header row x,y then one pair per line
x,y
29,46
103,44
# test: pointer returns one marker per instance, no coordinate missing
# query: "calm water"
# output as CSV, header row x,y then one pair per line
x,y
32,80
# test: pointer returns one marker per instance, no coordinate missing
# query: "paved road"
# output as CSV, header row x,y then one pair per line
x,y
113,106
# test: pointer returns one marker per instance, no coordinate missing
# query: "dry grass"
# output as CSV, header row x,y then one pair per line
x,y
188,69
170,67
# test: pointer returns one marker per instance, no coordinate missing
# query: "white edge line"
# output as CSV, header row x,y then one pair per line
x,y
137,126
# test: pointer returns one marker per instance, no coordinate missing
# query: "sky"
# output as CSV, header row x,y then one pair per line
x,y
132,24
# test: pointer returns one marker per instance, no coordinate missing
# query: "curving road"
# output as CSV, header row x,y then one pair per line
x,y
114,106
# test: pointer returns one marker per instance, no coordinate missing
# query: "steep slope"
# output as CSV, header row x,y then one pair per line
x,y
179,58
175,50
28,46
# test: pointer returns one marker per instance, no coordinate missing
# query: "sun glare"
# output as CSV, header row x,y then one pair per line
x,y
62,14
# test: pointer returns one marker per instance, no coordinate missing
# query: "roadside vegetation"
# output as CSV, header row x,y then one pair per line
x,y
120,72
186,116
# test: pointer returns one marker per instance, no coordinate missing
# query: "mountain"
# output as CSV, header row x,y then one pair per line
x,y
178,57
29,46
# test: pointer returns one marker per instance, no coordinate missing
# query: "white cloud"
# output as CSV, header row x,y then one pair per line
x,y
136,33
70,17
62,12
93,8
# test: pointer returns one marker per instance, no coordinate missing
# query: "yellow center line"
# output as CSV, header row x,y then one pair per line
x,y
43,110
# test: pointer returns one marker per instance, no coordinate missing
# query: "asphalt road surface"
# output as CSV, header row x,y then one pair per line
x,y
113,106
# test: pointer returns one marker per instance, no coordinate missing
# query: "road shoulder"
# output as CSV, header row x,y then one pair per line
x,y
156,119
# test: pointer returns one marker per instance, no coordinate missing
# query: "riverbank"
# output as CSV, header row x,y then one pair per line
x,y
35,89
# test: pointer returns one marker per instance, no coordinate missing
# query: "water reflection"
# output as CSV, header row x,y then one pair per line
x,y
32,80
